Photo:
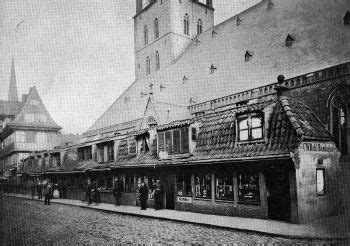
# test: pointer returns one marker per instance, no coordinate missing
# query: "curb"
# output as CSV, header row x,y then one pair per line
x,y
274,234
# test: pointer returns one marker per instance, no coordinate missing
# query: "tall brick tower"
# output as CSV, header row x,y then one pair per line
x,y
163,28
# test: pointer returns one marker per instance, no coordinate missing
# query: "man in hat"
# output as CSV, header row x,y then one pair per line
x,y
143,195
117,191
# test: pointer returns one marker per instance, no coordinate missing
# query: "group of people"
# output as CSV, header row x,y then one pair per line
x,y
158,197
92,192
44,188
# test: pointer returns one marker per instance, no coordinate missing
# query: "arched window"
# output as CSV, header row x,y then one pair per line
x,y
145,35
148,65
199,26
156,29
157,61
186,25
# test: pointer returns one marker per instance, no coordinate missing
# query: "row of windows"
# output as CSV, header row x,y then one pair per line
x,y
247,186
186,28
148,63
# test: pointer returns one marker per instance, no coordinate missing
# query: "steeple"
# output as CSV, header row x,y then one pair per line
x,y
13,93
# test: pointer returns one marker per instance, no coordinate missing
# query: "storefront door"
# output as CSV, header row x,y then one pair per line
x,y
278,195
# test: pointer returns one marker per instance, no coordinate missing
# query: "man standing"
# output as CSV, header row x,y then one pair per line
x,y
117,191
47,193
88,192
158,195
143,195
39,188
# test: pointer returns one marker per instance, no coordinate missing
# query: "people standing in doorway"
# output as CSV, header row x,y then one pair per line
x,y
143,195
47,193
158,195
117,191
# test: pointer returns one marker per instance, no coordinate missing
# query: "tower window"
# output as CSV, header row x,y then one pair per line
x,y
156,29
157,61
199,26
248,55
148,65
289,41
186,25
145,35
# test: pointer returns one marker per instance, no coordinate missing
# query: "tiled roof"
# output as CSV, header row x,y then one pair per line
x,y
288,123
143,159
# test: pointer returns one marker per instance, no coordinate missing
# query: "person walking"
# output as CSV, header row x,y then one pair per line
x,y
143,195
47,193
117,191
158,195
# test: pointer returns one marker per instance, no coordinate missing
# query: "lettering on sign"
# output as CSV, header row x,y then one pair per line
x,y
184,199
322,147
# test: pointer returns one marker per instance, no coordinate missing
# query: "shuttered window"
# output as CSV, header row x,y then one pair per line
x,y
184,140
176,135
161,141
168,142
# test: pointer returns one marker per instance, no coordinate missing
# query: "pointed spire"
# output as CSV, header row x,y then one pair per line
x,y
13,93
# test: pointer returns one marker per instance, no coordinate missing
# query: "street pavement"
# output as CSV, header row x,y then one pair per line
x,y
26,222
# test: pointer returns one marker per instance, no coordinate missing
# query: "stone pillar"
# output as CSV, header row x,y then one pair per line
x,y
294,218
263,194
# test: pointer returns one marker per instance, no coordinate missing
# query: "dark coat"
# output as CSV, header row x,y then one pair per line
x,y
47,190
143,192
117,188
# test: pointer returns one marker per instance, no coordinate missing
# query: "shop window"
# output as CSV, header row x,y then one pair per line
x,y
203,186
250,127
248,188
320,181
184,187
129,183
224,187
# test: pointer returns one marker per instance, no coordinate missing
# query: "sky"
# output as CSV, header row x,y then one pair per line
x,y
78,53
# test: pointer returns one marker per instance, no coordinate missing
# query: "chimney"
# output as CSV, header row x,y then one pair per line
x,y
280,88
210,3
138,6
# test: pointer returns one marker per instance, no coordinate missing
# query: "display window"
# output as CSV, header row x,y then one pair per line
x,y
224,187
248,187
203,186
184,187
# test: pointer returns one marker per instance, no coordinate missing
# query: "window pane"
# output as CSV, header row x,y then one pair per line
x,y
248,188
256,133
243,135
161,141
224,187
176,135
203,186
184,185
256,122
320,181
168,141
243,124
184,140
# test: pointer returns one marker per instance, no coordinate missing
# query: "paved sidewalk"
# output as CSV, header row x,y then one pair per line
x,y
331,228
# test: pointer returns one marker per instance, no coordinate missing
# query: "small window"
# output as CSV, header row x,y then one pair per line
x,y
157,61
184,187
289,41
250,127
145,35
224,187
156,29
248,187
148,65
199,26
320,181
248,56
203,186
186,25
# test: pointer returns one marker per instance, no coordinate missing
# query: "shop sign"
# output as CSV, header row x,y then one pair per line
x,y
321,147
184,199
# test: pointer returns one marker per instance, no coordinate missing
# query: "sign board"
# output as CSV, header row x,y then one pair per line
x,y
320,147
184,199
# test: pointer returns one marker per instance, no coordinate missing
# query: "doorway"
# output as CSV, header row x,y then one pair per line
x,y
170,192
278,194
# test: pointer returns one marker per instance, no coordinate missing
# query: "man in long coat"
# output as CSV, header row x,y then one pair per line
x,y
158,198
143,195
117,191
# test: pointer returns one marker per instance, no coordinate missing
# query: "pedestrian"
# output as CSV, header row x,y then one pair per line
x,y
47,193
96,194
143,195
89,191
158,195
117,191
39,188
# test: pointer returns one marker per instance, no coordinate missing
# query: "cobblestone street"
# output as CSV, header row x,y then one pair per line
x,y
30,222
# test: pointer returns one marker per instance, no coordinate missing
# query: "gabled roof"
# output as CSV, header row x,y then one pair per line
x,y
260,30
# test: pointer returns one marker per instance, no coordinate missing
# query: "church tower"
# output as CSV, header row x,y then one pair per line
x,y
13,93
163,28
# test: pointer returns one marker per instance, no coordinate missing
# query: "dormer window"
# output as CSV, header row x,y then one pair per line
x,y
248,56
289,41
347,18
250,127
